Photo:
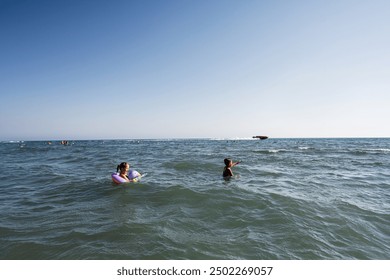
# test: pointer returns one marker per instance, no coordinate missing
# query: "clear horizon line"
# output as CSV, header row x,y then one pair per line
x,y
195,138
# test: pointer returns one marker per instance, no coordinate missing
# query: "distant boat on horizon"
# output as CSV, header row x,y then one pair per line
x,y
260,137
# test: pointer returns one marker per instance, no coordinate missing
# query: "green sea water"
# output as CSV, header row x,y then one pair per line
x,y
288,199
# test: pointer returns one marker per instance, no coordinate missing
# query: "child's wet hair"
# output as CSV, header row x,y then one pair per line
x,y
122,165
227,161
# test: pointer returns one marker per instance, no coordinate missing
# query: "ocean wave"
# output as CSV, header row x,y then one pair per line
x,y
304,148
277,151
270,151
367,151
380,150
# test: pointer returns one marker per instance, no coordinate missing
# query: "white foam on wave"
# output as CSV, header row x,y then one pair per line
x,y
379,150
276,151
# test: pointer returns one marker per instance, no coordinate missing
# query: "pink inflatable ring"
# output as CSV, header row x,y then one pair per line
x,y
133,175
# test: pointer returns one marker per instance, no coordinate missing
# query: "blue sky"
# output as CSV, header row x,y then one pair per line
x,y
183,69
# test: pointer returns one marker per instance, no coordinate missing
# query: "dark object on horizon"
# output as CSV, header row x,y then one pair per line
x,y
261,137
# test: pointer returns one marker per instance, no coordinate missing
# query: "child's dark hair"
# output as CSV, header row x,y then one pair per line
x,y
227,161
121,166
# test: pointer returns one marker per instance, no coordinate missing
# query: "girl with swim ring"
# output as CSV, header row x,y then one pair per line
x,y
122,170
124,174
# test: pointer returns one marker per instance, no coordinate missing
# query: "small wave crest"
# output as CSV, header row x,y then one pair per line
x,y
270,151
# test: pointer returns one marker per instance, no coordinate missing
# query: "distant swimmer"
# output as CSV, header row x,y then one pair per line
x,y
64,142
227,171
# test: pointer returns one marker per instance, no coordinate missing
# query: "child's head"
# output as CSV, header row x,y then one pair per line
x,y
123,167
228,162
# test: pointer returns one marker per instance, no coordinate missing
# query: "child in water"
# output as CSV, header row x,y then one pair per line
x,y
227,171
123,169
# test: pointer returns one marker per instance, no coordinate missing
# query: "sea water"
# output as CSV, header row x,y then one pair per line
x,y
288,199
